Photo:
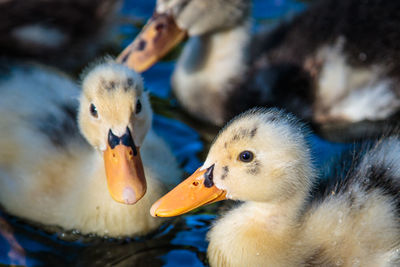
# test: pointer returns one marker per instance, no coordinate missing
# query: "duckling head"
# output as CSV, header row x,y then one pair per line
x,y
174,19
260,156
114,117
199,17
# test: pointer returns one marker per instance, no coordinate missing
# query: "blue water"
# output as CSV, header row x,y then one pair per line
x,y
180,242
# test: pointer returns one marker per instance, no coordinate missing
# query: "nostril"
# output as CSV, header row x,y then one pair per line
x,y
141,45
160,26
195,183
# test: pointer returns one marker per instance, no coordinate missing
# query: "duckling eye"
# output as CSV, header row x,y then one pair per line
x,y
138,106
93,111
246,156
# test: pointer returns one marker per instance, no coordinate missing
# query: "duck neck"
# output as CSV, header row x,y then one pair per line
x,y
282,217
209,67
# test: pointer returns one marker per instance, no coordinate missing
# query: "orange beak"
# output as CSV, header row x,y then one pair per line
x,y
157,38
188,195
125,175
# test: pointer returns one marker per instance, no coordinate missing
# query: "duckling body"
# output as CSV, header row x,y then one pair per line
x,y
336,63
50,174
262,159
347,227
346,50
323,65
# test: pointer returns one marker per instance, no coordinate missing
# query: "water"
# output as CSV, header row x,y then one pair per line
x,y
179,242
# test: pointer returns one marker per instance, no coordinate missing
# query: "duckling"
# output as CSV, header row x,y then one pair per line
x,y
262,159
48,30
337,63
81,170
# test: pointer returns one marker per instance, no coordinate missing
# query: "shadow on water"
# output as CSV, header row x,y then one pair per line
x,y
180,241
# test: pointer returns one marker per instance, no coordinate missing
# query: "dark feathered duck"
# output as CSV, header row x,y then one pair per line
x,y
335,64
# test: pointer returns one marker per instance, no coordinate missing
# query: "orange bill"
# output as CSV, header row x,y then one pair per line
x,y
188,195
157,38
125,175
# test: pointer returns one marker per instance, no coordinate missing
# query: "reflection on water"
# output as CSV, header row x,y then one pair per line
x,y
180,241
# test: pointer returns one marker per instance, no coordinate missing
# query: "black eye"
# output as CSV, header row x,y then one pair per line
x,y
246,156
93,110
138,106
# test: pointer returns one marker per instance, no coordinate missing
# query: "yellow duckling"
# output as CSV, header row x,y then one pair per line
x,y
56,169
262,158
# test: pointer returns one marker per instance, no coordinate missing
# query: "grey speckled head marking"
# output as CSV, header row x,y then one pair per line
x,y
254,167
111,85
253,132
128,84
244,133
103,83
108,85
225,170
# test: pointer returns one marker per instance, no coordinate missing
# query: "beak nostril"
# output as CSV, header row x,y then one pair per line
x,y
141,45
130,152
113,155
195,183
160,26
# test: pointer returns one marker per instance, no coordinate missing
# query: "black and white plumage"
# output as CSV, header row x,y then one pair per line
x,y
335,65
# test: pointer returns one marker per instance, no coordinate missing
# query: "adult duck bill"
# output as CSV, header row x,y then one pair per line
x,y
186,196
124,169
158,37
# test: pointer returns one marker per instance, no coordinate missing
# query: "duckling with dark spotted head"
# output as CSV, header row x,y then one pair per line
x,y
97,171
262,158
